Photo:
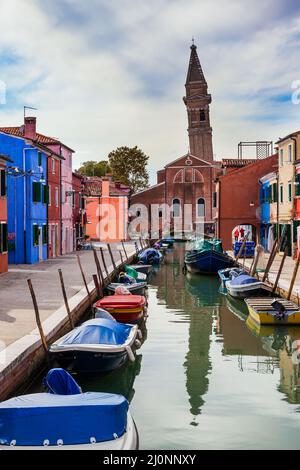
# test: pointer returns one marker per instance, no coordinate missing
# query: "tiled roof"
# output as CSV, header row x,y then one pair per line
x,y
93,188
40,138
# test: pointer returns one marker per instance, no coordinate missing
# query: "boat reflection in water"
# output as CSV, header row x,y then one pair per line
x,y
285,343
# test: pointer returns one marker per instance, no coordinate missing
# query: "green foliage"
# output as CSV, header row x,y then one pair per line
x,y
129,165
93,168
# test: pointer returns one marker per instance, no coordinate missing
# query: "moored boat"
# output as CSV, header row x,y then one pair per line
x,y
270,311
207,257
229,273
64,418
244,286
150,256
124,308
97,346
137,288
138,276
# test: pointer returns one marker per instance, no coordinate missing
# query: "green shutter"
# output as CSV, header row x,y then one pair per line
x,y
45,194
4,234
36,192
275,192
215,200
39,158
297,191
45,234
3,183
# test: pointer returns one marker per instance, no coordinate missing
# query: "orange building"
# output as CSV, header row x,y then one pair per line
x,y
3,216
106,209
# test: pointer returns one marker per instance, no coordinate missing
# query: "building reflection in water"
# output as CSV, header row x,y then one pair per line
x,y
195,302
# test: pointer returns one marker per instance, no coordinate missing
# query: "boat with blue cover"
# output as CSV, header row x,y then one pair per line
x,y
229,273
207,257
245,286
150,256
97,346
64,418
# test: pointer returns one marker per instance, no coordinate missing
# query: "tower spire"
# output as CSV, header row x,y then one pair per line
x,y
197,101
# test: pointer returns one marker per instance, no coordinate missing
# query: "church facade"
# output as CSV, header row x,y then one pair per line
x,y
187,185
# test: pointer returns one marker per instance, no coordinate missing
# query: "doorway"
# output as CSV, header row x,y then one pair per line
x,y
40,244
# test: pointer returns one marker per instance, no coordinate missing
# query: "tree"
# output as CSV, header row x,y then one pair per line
x,y
129,165
93,168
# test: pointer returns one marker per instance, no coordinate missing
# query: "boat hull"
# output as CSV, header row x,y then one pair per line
x,y
268,318
209,262
142,268
129,441
244,292
136,289
132,316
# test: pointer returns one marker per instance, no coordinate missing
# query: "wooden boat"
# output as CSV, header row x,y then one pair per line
x,y
270,311
124,308
67,419
244,286
229,273
139,277
151,256
207,262
97,346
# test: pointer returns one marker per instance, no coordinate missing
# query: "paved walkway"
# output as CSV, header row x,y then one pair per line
x,y
286,275
17,317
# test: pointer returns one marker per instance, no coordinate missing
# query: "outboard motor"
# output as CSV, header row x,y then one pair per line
x,y
60,382
280,309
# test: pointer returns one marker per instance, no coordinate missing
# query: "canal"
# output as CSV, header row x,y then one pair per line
x,y
203,379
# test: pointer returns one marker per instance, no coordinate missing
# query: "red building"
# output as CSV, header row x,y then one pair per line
x,y
238,198
3,216
54,206
78,205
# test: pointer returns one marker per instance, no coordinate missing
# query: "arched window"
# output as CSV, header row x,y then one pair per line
x,y
178,178
201,207
176,208
198,177
202,115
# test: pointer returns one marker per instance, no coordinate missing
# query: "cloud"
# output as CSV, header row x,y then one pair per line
x,y
106,74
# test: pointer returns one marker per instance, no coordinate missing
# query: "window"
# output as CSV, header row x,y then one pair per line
x,y
281,157
53,166
274,192
3,238
39,158
49,195
36,234
160,214
281,193
214,200
45,234
202,115
176,208
63,196
297,185
3,183
36,192
56,197
201,207
73,198
289,191
290,153
46,193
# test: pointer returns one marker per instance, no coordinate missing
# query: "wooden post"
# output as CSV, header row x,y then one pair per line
x,y
37,316
126,256
84,279
65,298
259,250
280,271
270,261
294,277
242,247
97,285
104,264
121,256
111,256
98,267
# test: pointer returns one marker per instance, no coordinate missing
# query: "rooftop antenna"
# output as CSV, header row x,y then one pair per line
x,y
28,107
193,41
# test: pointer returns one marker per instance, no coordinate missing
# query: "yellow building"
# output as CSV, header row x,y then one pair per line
x,y
288,154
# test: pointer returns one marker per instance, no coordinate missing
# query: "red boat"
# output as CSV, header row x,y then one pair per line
x,y
124,308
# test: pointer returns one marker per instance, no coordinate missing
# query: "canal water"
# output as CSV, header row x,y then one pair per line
x,y
204,378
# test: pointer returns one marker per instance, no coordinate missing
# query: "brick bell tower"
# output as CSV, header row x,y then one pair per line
x,y
197,101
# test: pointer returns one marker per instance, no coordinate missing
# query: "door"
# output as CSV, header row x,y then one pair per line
x,y
53,240
40,244
67,240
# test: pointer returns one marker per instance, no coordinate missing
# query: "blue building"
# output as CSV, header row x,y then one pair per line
x,y
27,199
268,202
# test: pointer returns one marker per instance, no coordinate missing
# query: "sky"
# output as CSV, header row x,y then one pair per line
x,y
105,74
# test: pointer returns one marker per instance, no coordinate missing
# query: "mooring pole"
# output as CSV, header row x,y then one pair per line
x,y
294,277
280,270
121,256
65,298
242,248
270,261
104,264
125,253
112,257
84,279
37,316
97,285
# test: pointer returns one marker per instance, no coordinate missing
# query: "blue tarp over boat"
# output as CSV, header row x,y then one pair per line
x,y
42,418
243,280
150,256
98,331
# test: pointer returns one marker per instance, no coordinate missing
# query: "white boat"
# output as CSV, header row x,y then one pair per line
x,y
67,419
244,286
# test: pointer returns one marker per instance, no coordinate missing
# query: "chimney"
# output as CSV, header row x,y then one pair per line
x,y
30,128
118,184
105,187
